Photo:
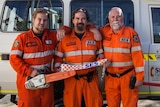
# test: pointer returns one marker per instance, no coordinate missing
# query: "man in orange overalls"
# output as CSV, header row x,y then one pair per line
x,y
122,47
32,54
78,48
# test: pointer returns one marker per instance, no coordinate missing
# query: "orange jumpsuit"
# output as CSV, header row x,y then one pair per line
x,y
76,51
28,53
124,50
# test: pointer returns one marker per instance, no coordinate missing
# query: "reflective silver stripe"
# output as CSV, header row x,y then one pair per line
x,y
60,54
100,51
107,49
38,54
80,52
121,50
57,64
139,69
136,48
41,66
88,52
73,53
121,64
16,52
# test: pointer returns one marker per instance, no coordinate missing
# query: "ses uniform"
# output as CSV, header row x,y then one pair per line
x,y
123,49
85,83
28,53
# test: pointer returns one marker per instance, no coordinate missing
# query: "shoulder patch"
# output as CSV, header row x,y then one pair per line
x,y
136,38
16,43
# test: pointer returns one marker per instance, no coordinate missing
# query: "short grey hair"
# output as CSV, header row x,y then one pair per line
x,y
118,9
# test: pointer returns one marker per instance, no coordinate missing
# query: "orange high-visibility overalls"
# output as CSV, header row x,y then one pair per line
x,y
124,50
28,53
76,51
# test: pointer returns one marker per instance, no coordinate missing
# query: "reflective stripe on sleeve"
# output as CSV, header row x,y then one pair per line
x,y
139,69
41,66
60,54
135,48
100,51
16,52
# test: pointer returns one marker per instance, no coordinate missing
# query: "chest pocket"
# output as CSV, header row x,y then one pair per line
x,y
31,47
49,45
107,43
71,48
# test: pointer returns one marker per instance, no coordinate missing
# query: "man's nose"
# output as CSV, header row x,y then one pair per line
x,y
42,21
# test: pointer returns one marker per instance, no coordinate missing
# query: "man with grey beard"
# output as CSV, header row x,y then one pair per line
x,y
123,48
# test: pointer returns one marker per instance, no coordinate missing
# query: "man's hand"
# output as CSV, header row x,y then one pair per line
x,y
97,34
34,73
138,83
106,64
60,34
36,82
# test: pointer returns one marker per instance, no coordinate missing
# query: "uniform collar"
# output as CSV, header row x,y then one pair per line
x,y
44,33
73,33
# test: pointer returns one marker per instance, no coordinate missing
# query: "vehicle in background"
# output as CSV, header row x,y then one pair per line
x,y
142,15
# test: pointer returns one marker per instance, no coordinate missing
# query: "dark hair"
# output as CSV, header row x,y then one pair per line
x,y
81,10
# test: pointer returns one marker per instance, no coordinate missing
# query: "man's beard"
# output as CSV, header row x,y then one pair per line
x,y
40,30
80,26
116,25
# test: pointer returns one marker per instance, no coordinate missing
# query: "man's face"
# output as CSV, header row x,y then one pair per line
x,y
115,20
79,22
40,23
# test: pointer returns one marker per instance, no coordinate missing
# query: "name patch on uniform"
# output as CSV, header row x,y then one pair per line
x,y
125,40
136,38
31,44
90,42
71,43
48,42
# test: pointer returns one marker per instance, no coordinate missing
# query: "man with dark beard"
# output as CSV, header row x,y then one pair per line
x,y
78,48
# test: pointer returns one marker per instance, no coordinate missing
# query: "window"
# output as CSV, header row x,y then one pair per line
x,y
17,14
98,10
156,24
